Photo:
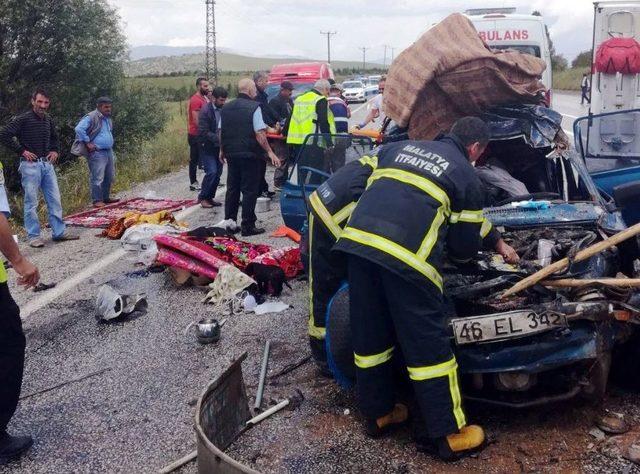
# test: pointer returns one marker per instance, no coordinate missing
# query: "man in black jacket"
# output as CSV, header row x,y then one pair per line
x,y
243,143
209,146
282,105
260,79
423,197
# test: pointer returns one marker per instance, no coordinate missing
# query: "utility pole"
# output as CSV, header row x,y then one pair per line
x,y
392,50
364,57
329,34
211,52
384,61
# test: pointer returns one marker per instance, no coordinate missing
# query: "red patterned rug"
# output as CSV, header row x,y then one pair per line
x,y
101,217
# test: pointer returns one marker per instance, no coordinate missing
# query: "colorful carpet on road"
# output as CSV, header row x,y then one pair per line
x,y
101,217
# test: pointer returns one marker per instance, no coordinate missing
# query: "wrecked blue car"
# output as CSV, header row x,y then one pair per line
x,y
545,343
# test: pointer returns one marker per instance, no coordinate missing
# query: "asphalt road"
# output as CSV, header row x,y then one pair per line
x,y
134,411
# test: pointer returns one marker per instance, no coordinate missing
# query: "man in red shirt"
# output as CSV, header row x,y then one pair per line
x,y
195,104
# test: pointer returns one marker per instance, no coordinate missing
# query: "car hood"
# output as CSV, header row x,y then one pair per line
x,y
554,214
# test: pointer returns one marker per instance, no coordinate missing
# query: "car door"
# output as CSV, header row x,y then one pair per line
x,y
609,143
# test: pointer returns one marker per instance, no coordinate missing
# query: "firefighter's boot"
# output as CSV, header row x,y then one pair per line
x,y
470,439
384,424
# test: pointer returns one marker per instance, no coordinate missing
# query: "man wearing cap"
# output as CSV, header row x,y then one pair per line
x,y
95,130
281,105
341,114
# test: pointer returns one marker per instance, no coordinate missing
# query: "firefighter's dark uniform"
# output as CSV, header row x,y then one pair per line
x,y
423,196
330,206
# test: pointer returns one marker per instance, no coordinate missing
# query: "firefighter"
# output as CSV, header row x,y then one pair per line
x,y
330,206
423,196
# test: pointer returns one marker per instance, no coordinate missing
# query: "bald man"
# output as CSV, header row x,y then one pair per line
x,y
243,143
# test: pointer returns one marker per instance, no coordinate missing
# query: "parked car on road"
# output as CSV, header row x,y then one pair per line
x,y
354,91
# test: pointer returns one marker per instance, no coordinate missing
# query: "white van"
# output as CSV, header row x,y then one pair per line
x,y
502,28
612,92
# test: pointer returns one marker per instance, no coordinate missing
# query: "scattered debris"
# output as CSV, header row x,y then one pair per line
x,y
293,401
251,306
137,274
111,305
633,453
597,433
611,422
68,382
263,374
290,368
43,286
179,463
208,331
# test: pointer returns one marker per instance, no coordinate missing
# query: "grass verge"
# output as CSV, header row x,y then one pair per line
x,y
568,80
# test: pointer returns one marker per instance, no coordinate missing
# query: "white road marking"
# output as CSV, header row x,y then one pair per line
x,y
73,281
570,116
361,107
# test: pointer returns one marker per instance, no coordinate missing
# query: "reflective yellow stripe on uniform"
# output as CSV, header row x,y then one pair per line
x,y
344,213
366,362
432,236
424,184
324,215
395,250
486,227
447,369
474,217
314,331
369,160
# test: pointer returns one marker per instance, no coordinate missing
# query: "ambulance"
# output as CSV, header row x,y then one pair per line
x,y
503,28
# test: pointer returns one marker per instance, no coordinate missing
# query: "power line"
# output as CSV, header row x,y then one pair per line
x,y
211,57
364,57
328,34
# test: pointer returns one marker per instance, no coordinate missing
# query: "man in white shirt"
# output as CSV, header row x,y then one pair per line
x,y
375,112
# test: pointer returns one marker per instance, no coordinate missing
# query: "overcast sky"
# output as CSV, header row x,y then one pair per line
x,y
276,27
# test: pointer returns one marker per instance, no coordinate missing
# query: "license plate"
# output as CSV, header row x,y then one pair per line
x,y
495,327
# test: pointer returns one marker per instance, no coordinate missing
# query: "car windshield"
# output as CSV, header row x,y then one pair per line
x,y
299,88
523,48
352,84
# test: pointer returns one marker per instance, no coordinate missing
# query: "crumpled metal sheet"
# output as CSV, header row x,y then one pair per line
x,y
537,125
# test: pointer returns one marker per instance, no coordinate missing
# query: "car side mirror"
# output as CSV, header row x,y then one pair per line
x,y
626,194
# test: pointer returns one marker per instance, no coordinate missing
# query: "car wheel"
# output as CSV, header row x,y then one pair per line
x,y
338,339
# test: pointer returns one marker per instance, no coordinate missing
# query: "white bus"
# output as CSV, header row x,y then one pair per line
x,y
502,28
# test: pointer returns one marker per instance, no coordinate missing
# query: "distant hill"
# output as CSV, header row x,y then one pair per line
x,y
226,62
154,51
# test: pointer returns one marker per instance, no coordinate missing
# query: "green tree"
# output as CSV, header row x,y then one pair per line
x,y
75,50
582,60
558,61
